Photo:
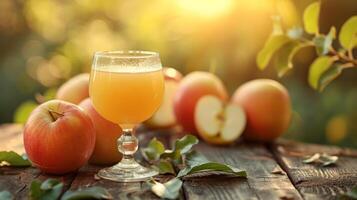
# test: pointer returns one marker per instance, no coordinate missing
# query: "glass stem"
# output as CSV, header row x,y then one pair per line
x,y
128,145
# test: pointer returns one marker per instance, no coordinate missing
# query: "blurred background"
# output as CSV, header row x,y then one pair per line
x,y
45,42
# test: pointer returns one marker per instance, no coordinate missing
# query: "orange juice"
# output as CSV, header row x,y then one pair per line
x,y
126,95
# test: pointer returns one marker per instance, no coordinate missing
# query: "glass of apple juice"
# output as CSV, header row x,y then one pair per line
x,y
126,88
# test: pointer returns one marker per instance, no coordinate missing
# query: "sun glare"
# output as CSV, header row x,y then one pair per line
x,y
206,8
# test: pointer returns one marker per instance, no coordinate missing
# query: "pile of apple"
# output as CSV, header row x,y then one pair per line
x,y
259,110
62,135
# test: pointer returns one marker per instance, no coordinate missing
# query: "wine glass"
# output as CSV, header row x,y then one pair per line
x,y
126,88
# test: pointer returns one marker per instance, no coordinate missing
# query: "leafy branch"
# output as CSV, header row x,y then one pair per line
x,y
282,46
181,161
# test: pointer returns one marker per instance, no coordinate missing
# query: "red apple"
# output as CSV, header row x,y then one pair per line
x,y
191,88
75,89
106,150
267,106
59,137
165,116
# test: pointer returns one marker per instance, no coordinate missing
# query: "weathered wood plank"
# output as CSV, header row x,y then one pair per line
x,y
17,180
313,181
86,176
261,183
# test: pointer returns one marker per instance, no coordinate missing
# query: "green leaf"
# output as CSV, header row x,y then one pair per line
x,y
185,144
329,75
323,43
6,195
13,159
274,43
165,167
153,151
87,193
350,195
182,146
23,111
311,18
168,190
283,58
48,190
198,163
317,68
295,32
348,33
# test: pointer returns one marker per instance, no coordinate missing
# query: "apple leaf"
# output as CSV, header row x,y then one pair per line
x,y
165,167
13,159
6,195
87,193
317,68
23,111
283,58
274,43
324,42
47,190
329,75
348,33
312,158
196,163
153,151
182,146
311,18
352,194
168,190
323,159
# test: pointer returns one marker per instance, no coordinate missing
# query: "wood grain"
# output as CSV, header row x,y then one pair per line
x,y
260,184
314,181
85,177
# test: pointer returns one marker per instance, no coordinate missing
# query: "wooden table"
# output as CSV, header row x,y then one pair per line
x,y
275,171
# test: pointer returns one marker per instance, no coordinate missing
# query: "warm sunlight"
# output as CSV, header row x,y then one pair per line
x,y
206,8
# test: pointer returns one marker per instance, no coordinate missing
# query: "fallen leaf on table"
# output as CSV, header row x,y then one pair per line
x,y
182,147
323,159
11,158
168,190
153,151
196,163
328,160
49,189
6,195
87,193
165,167
312,158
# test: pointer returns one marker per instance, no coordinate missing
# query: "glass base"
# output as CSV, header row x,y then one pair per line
x,y
127,170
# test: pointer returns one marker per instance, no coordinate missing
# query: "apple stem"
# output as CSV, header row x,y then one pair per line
x,y
54,115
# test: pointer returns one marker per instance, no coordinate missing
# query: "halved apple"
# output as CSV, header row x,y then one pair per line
x,y
218,123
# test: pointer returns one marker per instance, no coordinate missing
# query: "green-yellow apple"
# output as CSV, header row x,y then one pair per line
x,y
106,150
59,137
191,88
218,123
164,116
75,89
267,106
